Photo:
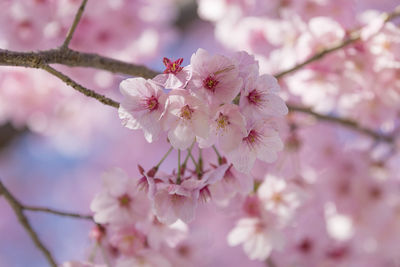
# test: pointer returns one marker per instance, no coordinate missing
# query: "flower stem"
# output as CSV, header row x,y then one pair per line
x,y
164,157
187,156
218,155
178,180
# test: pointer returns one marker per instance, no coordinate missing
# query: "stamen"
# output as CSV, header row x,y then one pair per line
x,y
152,103
172,66
222,121
255,97
253,138
124,201
210,83
186,112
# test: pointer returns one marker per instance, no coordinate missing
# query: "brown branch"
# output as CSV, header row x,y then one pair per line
x,y
353,125
57,212
71,31
71,58
352,38
90,93
18,209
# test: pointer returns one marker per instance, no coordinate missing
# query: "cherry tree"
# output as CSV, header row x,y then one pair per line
x,y
203,133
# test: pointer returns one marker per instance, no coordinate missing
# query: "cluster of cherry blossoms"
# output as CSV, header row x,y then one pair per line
x,y
215,100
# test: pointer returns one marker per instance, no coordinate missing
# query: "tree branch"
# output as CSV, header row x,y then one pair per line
x,y
18,209
71,31
72,58
353,125
57,212
90,93
353,37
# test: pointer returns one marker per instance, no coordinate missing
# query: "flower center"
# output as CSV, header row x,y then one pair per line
x,y
222,121
252,138
186,112
210,83
172,66
255,97
152,103
124,201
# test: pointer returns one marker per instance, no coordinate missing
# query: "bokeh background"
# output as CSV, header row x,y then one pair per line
x,y
55,143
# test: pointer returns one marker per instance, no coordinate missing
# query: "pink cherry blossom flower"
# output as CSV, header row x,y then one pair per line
x,y
322,32
142,106
158,233
177,201
214,78
248,66
186,118
261,142
374,24
278,197
127,239
258,237
174,75
231,183
227,128
259,98
119,202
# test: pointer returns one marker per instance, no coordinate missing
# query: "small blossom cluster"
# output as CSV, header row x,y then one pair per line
x,y
266,213
215,100
126,228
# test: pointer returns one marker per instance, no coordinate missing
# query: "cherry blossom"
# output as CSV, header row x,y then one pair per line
x,y
142,107
174,75
119,202
262,142
176,201
214,78
227,128
257,237
186,118
260,98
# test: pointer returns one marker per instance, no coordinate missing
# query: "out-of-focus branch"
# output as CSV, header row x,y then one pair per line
x,y
353,37
90,93
57,212
353,125
8,133
77,18
19,211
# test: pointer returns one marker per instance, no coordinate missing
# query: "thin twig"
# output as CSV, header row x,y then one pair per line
x,y
71,31
353,37
353,125
178,179
72,58
90,93
18,209
57,212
